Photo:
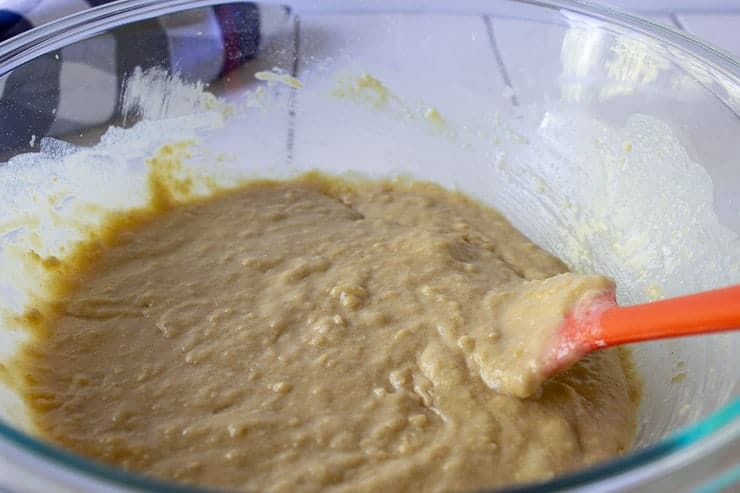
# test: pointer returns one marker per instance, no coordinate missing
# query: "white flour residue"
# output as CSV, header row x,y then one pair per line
x,y
627,202
155,94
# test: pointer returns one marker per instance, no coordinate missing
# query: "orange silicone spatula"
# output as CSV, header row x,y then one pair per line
x,y
599,322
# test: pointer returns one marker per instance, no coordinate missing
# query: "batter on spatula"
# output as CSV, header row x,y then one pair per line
x,y
319,334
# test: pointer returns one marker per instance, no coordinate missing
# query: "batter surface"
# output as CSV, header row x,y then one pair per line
x,y
316,335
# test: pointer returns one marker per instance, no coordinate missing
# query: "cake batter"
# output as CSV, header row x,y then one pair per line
x,y
322,335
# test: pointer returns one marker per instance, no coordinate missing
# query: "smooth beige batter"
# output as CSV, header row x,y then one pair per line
x,y
321,335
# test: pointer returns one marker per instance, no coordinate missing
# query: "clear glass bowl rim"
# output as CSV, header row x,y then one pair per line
x,y
85,24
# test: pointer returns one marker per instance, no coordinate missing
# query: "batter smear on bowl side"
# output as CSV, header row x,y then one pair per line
x,y
320,334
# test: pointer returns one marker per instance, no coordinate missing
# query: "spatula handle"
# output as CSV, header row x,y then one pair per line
x,y
701,313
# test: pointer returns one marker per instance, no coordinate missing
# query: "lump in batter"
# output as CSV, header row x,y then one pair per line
x,y
319,334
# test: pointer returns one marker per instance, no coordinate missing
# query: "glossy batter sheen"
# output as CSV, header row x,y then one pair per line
x,y
317,335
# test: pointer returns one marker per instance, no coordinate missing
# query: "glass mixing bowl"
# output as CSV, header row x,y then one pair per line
x,y
609,140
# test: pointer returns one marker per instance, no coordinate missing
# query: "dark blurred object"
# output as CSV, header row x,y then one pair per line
x,y
79,87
